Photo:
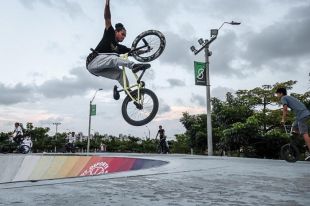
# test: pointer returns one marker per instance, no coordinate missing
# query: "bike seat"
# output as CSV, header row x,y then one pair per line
x,y
140,67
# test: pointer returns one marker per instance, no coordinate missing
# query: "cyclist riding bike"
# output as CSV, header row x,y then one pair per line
x,y
162,140
71,139
17,133
302,115
105,60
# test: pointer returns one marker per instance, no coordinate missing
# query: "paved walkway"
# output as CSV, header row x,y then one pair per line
x,y
186,180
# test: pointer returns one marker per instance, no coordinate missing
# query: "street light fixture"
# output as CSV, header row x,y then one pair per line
x,y
148,131
205,46
89,123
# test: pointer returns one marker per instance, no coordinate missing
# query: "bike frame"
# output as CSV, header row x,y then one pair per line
x,y
138,85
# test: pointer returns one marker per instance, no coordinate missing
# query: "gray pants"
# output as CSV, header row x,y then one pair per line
x,y
107,65
301,125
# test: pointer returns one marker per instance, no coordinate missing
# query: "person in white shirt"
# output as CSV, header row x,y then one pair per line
x,y
71,138
17,133
28,142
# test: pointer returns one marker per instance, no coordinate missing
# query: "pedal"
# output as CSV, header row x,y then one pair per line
x,y
116,95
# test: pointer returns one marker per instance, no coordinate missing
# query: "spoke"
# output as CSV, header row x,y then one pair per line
x,y
137,114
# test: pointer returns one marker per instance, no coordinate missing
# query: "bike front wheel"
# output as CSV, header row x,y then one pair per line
x,y
24,149
290,153
155,42
140,114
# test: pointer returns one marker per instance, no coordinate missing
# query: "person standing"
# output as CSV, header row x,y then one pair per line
x,y
162,140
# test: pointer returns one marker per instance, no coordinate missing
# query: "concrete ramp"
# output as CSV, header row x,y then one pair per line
x,y
15,168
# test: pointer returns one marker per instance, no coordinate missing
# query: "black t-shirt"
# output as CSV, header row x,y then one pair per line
x,y
108,43
161,133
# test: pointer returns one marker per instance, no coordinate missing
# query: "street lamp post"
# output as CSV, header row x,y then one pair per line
x,y
265,102
205,46
56,124
148,131
89,123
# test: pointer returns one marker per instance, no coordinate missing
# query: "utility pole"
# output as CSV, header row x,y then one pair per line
x,y
148,131
208,95
265,87
205,45
56,124
92,111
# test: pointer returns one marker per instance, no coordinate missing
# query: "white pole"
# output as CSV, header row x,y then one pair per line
x,y
89,126
209,120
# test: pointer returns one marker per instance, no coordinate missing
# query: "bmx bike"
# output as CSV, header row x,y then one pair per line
x,y
291,151
23,145
70,147
140,105
162,146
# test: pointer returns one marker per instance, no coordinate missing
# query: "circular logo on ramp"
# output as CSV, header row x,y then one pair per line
x,y
98,168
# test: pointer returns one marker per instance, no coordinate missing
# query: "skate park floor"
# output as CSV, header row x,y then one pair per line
x,y
188,180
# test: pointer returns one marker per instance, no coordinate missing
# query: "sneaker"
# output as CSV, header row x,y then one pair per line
x,y
139,67
307,156
115,93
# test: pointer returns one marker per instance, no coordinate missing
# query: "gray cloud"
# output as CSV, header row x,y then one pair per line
x,y
78,83
179,101
281,45
216,9
286,41
198,99
220,92
225,50
163,107
16,94
177,50
71,8
176,83
157,15
49,122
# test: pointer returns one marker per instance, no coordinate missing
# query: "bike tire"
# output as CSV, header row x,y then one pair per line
x,y
290,153
151,56
129,117
24,149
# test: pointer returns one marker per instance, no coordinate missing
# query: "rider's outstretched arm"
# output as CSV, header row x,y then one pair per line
x,y
107,14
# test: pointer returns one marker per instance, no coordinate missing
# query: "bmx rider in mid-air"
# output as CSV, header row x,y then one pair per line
x,y
104,59
301,112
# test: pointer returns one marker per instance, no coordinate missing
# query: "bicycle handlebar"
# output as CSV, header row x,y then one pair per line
x,y
141,47
131,51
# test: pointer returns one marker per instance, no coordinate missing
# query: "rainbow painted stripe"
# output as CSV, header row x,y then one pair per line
x,y
35,167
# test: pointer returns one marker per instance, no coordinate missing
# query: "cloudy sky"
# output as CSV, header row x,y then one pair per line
x,y
44,44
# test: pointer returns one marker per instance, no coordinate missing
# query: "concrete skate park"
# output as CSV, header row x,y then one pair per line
x,y
147,179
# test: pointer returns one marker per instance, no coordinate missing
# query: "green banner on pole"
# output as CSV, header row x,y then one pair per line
x,y
93,110
200,73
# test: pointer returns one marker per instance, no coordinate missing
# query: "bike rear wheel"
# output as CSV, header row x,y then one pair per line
x,y
290,153
138,115
156,44
24,149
